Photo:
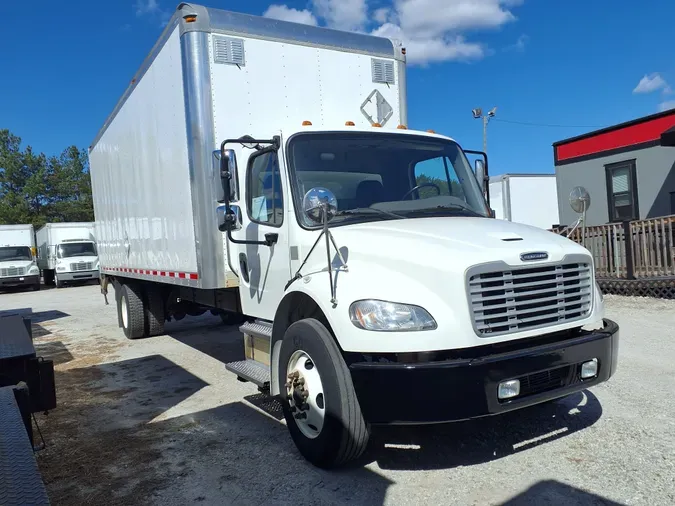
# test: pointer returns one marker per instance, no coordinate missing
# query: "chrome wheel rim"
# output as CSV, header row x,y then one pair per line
x,y
305,395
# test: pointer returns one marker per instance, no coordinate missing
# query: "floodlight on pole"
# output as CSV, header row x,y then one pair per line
x,y
477,114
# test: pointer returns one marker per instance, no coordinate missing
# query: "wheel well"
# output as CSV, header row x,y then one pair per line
x,y
294,307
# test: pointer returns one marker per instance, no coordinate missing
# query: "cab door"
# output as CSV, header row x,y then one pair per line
x,y
263,269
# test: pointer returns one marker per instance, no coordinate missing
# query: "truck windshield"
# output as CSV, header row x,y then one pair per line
x,y
13,253
384,176
77,249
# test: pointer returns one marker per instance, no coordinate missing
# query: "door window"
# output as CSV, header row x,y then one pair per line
x,y
265,197
437,174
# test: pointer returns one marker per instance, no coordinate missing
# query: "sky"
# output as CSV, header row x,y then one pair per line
x,y
552,69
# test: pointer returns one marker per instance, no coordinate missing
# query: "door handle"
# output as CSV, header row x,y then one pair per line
x,y
243,266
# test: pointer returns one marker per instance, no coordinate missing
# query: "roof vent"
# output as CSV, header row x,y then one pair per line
x,y
228,50
383,71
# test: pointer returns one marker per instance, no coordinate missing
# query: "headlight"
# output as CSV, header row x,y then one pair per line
x,y
34,270
380,315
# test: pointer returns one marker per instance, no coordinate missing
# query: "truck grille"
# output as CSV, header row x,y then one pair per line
x,y
13,271
81,266
503,302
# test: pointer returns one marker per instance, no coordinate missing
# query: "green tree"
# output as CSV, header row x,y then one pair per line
x,y
36,189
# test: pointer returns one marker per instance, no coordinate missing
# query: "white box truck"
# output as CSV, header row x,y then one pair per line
x,y
264,170
18,266
67,253
531,199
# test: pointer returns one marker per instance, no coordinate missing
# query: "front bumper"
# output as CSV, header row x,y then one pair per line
x,y
33,279
461,389
77,275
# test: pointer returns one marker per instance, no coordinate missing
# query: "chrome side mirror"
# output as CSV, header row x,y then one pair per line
x,y
229,221
227,167
319,205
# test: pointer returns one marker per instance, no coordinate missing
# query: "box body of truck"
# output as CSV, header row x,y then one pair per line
x,y
264,170
531,199
67,252
224,75
17,257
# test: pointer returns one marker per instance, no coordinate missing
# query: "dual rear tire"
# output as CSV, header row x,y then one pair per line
x,y
320,406
140,311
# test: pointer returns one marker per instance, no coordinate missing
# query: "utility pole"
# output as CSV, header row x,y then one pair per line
x,y
478,113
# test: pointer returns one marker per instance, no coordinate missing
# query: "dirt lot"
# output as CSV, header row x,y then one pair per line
x,y
160,421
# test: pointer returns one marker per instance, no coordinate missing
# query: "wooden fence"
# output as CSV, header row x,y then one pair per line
x,y
642,249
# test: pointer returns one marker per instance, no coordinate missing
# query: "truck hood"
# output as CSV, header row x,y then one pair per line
x,y
450,243
426,262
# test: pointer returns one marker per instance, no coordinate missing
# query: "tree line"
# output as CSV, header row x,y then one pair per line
x,y
39,189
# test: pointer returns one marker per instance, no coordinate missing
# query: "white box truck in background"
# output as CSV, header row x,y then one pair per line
x,y
531,199
263,170
17,257
67,253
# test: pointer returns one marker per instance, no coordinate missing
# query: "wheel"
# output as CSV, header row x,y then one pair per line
x,y
318,400
48,277
36,288
154,312
231,318
57,282
131,312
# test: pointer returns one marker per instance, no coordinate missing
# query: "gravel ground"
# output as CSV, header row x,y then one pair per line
x,y
160,421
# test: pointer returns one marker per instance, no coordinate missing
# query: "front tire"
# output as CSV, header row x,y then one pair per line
x,y
57,282
329,429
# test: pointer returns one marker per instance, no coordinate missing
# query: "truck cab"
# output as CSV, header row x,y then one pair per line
x,y
383,289
18,265
74,260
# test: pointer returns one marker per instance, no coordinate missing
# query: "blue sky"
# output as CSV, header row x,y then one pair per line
x,y
578,64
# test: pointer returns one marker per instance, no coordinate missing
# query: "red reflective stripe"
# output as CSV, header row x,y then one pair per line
x,y
148,272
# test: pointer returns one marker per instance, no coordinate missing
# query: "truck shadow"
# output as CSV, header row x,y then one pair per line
x,y
442,446
481,440
555,493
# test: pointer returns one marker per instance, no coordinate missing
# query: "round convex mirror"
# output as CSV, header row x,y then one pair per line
x,y
580,199
316,201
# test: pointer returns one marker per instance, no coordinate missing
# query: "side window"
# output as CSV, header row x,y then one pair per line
x,y
440,173
265,198
622,191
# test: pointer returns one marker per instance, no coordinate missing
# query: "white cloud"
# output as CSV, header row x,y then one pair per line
x,y
424,50
286,13
436,17
432,30
342,14
668,104
382,15
650,83
146,7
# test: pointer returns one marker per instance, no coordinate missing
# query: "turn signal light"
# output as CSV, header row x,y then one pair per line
x,y
402,127
306,123
377,125
431,131
349,123
190,18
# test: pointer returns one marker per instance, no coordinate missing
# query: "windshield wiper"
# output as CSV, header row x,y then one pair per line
x,y
454,207
367,210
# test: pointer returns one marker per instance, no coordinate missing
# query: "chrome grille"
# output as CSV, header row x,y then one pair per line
x,y
81,266
503,302
13,271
